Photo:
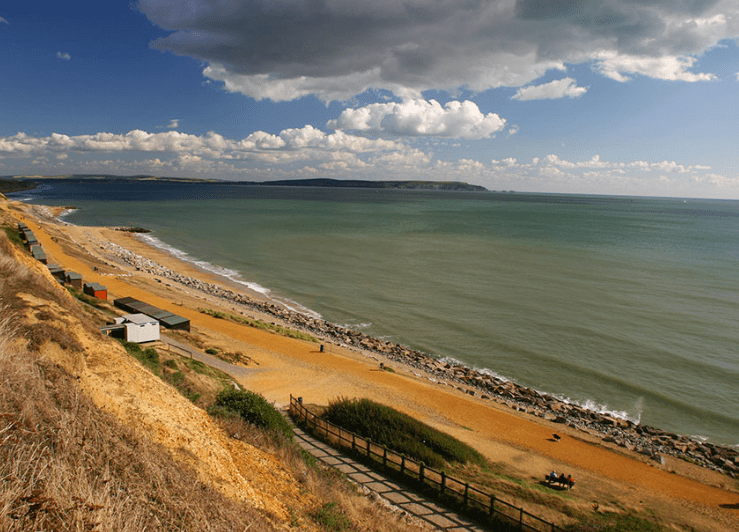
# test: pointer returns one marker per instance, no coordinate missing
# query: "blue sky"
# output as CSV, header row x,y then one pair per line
x,y
581,96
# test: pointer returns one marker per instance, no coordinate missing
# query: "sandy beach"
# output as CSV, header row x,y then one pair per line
x,y
607,475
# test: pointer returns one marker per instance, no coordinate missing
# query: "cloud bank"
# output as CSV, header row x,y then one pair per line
x,y
283,50
307,152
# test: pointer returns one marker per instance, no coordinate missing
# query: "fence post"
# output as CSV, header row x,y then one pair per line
x,y
402,464
492,505
443,483
520,521
354,442
384,456
466,494
420,472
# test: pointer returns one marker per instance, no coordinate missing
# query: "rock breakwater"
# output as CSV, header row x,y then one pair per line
x,y
649,441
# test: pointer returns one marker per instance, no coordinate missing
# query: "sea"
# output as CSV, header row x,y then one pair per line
x,y
626,305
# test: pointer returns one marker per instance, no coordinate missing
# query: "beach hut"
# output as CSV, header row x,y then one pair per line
x,y
124,303
38,253
176,322
137,328
166,318
95,290
57,271
73,279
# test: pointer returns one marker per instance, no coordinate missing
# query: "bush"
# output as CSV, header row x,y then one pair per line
x,y
148,357
254,409
331,518
399,432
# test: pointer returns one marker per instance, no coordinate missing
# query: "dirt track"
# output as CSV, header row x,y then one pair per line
x,y
285,366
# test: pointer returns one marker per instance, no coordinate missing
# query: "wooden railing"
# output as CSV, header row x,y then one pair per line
x,y
468,499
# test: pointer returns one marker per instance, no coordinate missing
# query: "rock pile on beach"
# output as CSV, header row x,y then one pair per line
x,y
643,439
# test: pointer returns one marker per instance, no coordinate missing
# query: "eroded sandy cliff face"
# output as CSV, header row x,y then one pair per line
x,y
119,385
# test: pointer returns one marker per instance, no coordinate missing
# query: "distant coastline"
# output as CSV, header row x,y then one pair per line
x,y
318,182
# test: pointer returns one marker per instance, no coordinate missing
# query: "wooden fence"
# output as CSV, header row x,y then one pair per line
x,y
469,499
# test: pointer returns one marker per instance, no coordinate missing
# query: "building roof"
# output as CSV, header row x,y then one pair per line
x,y
139,319
174,320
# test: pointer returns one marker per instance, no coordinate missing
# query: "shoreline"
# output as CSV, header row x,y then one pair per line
x,y
643,439
519,443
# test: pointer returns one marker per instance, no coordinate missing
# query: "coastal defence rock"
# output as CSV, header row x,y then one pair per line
x,y
644,439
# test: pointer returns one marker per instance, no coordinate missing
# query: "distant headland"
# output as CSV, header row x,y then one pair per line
x,y
11,183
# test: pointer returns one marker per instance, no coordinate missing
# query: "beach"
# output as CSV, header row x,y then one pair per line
x,y
504,431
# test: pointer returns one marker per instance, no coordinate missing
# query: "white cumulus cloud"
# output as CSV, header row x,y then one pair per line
x,y
63,55
417,117
554,90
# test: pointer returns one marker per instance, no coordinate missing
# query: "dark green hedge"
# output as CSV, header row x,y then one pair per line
x,y
254,409
399,432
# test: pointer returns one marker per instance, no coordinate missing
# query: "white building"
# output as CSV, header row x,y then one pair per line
x,y
137,328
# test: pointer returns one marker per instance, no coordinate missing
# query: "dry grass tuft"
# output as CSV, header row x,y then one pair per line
x,y
326,485
66,465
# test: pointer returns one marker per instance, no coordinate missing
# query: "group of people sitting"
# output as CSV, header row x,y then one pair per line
x,y
563,480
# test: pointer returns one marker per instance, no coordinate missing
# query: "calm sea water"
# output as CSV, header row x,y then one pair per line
x,y
627,305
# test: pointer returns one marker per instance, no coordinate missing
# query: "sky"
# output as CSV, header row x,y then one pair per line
x,y
633,97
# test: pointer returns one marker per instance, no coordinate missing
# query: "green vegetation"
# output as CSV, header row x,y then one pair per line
x,y
90,300
400,432
331,518
170,372
14,236
148,357
258,324
254,409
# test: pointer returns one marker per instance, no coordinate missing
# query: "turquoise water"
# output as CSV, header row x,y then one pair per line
x,y
627,305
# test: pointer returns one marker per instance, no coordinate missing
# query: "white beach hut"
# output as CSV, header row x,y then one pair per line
x,y
137,328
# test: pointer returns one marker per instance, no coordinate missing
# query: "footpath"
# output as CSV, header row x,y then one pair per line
x,y
395,494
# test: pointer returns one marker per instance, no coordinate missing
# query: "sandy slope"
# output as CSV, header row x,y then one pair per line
x,y
611,477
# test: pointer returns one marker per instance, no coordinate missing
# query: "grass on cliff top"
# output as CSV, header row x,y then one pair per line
x,y
193,379
258,324
400,432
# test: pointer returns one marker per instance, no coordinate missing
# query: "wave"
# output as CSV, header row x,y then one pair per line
x,y
231,275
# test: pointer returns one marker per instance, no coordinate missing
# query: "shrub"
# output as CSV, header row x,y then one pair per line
x,y
254,409
400,432
331,518
148,357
